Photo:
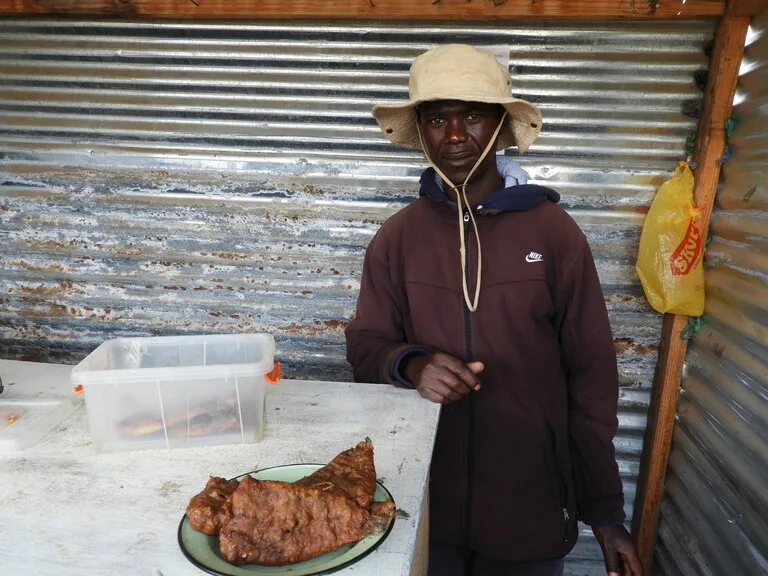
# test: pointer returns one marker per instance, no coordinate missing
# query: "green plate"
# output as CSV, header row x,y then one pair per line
x,y
203,550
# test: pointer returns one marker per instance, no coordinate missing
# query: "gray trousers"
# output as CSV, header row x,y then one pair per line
x,y
450,560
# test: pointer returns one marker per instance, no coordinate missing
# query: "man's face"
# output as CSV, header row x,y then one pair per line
x,y
456,133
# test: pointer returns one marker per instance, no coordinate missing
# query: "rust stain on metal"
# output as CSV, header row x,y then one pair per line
x,y
56,244
624,345
54,310
39,267
314,190
229,255
317,327
66,287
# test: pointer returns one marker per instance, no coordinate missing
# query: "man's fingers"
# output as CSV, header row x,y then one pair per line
x,y
455,383
476,367
455,388
612,564
632,564
462,370
446,379
444,374
433,395
444,392
466,371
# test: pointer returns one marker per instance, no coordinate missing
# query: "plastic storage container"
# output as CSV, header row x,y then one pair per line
x,y
24,423
178,391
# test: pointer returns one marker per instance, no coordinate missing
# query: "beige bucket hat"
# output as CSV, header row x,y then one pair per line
x,y
459,72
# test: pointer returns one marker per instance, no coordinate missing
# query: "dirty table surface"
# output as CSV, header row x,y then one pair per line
x,y
64,509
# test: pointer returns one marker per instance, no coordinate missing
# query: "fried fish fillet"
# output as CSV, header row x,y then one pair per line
x,y
209,509
352,474
384,510
277,523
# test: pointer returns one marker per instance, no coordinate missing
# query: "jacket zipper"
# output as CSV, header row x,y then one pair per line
x,y
562,492
564,503
469,443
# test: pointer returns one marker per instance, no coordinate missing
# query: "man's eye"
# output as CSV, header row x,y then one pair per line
x,y
474,116
436,121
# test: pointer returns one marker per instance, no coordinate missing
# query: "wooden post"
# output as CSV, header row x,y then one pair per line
x,y
710,145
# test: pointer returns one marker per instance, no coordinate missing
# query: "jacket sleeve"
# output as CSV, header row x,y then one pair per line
x,y
589,361
376,339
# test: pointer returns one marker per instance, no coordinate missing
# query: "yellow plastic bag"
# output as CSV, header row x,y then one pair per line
x,y
671,248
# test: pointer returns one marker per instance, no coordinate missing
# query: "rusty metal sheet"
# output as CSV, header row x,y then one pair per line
x,y
714,519
184,178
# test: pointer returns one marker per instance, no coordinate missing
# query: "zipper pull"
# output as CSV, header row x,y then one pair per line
x,y
567,518
466,216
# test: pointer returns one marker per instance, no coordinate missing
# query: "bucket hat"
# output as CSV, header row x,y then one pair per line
x,y
459,72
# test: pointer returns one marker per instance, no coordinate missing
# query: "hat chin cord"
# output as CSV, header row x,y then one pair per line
x,y
461,201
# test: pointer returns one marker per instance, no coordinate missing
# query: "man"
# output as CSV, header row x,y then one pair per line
x,y
483,295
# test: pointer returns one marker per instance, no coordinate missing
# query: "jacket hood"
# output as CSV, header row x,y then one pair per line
x,y
516,195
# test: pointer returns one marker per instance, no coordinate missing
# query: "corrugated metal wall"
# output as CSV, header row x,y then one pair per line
x,y
184,178
715,516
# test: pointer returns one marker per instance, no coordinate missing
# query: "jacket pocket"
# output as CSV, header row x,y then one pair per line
x,y
561,484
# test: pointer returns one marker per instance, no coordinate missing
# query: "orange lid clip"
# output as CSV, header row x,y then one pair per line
x,y
78,389
273,377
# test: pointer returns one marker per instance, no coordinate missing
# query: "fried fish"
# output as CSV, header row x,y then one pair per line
x,y
208,510
351,473
277,523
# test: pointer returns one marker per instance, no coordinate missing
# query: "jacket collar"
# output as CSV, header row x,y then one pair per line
x,y
516,195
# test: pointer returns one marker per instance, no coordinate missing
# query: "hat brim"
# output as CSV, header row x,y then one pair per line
x,y
523,123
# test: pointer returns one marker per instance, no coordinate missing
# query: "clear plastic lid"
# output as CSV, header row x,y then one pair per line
x,y
176,357
23,423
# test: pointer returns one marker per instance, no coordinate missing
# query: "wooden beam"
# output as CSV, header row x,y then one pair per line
x,y
658,436
747,7
371,9
710,144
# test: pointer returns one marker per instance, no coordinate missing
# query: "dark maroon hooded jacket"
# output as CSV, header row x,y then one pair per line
x,y
516,463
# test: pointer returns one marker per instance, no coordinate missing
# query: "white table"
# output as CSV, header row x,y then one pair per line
x,y
66,510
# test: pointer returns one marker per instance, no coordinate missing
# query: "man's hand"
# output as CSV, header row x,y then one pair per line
x,y
443,378
619,551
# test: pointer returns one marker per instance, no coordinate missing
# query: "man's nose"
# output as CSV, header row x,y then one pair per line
x,y
457,133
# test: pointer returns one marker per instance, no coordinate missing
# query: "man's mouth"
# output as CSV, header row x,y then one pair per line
x,y
458,158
